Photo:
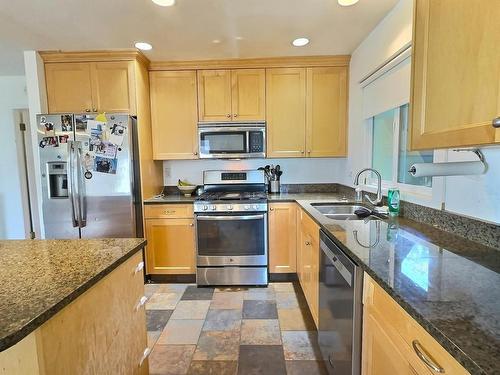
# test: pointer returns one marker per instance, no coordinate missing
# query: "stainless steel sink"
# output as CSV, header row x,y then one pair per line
x,y
340,211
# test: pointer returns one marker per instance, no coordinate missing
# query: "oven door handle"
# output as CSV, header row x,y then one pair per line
x,y
235,217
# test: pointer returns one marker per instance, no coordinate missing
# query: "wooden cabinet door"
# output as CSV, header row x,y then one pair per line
x,y
214,95
171,246
113,88
282,238
68,87
173,115
286,112
326,127
455,73
248,94
380,355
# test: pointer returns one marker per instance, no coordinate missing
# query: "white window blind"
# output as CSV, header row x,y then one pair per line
x,y
389,90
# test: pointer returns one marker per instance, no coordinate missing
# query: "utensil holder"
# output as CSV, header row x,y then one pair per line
x,y
274,186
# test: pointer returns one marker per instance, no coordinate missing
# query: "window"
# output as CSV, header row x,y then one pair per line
x,y
390,154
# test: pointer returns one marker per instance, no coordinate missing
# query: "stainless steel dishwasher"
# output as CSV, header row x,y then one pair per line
x,y
340,309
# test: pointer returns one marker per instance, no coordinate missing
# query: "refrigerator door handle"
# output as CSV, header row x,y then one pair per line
x,y
71,186
82,201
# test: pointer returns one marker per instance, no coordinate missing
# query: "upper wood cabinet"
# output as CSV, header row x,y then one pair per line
x,y
326,112
282,237
231,95
174,115
307,112
286,112
248,94
69,87
90,87
455,73
214,94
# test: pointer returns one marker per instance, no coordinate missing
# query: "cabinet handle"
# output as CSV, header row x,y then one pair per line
x,y
235,115
428,361
145,355
496,122
308,151
301,151
169,212
307,243
94,109
142,302
228,115
271,209
195,153
191,224
139,268
87,110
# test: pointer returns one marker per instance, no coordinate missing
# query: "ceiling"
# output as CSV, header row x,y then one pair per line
x,y
186,31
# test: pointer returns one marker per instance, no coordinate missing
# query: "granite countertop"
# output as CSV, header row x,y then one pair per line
x,y
40,277
169,199
450,285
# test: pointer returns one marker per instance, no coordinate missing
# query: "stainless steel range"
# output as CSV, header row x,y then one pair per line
x,y
231,229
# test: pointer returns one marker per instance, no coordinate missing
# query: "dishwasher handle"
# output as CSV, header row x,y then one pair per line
x,y
346,274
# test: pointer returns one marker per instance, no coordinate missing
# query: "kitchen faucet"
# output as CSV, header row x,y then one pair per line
x,y
378,201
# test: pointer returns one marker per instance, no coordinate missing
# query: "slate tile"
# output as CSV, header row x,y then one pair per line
x,y
213,368
193,292
218,346
181,332
170,359
156,320
223,320
261,360
306,367
259,310
300,345
296,320
191,310
260,332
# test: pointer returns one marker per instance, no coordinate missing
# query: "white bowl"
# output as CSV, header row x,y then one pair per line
x,y
187,190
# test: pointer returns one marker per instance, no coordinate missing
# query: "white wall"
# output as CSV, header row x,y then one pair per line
x,y
294,170
12,96
475,196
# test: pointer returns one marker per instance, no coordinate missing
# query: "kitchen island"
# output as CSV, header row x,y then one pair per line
x,y
72,306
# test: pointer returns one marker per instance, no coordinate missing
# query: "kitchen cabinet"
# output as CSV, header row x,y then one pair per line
x,y
174,115
307,112
282,237
455,74
103,331
391,339
308,261
286,112
171,239
106,86
326,112
231,95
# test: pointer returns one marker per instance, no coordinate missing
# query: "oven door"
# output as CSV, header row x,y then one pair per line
x,y
223,142
232,240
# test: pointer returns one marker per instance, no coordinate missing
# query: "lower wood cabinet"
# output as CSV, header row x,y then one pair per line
x,y
394,343
308,261
282,219
171,239
103,331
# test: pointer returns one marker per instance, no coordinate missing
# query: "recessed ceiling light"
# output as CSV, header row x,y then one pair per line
x,y
143,46
300,42
345,3
164,3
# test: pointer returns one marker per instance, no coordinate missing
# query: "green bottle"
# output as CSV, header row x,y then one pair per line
x,y
393,201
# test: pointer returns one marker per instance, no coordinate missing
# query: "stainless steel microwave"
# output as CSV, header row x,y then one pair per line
x,y
232,140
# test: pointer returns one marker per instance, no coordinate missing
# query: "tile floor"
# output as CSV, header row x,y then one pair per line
x,y
229,331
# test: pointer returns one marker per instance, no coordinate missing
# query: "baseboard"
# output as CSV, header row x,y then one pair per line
x,y
283,277
184,279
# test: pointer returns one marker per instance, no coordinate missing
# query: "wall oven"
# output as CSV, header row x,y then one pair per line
x,y
232,140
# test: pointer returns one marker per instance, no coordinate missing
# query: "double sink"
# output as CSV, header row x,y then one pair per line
x,y
342,210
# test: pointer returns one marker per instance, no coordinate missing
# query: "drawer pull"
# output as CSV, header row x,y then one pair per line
x,y
142,302
139,268
145,355
169,212
307,243
423,356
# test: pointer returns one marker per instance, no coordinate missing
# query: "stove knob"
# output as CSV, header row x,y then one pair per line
x,y
247,207
205,208
229,206
213,208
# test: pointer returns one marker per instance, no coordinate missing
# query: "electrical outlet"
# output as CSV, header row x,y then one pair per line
x,y
167,172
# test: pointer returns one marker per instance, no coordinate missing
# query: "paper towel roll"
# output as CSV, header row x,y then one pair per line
x,y
459,168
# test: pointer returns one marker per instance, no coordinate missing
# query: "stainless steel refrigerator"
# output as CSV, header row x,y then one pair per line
x,y
90,181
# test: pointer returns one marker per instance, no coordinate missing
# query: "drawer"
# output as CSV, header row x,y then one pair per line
x,y
309,226
399,323
164,211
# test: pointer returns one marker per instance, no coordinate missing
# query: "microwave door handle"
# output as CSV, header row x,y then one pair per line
x,y
227,218
82,201
71,186
247,138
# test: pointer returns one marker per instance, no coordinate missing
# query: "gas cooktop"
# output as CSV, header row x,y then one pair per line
x,y
232,196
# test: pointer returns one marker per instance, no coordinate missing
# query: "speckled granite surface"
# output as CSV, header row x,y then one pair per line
x,y
40,277
450,285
